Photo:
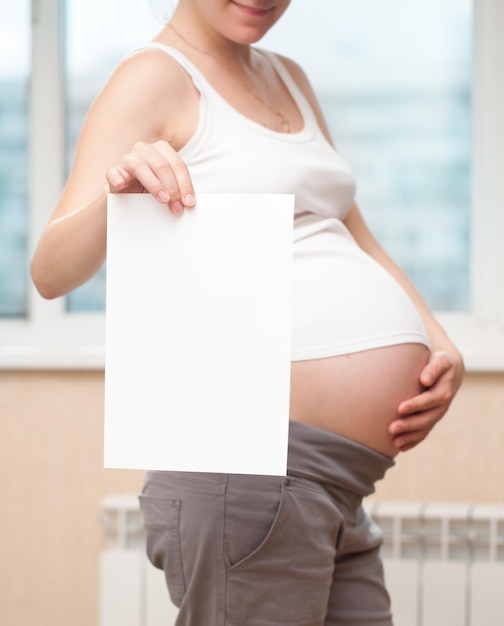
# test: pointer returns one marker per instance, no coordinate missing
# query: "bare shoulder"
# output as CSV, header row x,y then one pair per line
x,y
153,68
295,70
151,91
148,98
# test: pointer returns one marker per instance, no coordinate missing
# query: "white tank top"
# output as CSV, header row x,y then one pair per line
x,y
343,300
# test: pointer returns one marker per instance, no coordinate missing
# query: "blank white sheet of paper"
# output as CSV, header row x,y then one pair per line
x,y
198,334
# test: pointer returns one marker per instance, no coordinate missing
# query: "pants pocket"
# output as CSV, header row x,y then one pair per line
x,y
162,530
287,577
252,507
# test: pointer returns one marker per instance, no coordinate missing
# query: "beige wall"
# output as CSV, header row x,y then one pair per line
x,y
51,461
51,447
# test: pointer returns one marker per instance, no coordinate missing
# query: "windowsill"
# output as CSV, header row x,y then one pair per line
x,y
79,344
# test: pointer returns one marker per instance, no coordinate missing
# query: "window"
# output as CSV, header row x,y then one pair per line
x,y
87,69
411,101
14,73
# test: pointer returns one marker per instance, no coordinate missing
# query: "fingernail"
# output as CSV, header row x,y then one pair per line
x,y
177,208
189,199
163,196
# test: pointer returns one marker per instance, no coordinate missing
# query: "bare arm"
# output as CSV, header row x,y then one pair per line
x,y
128,144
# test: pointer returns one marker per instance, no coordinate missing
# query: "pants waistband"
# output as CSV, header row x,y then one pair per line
x,y
333,460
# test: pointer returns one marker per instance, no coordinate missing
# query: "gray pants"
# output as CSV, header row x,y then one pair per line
x,y
241,550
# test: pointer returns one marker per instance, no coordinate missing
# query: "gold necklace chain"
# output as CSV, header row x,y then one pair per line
x,y
284,121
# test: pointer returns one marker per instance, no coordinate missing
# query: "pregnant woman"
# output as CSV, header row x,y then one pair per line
x,y
199,109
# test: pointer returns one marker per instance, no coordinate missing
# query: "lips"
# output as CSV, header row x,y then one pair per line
x,y
251,10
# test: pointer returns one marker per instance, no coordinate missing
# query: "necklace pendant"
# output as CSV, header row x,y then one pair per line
x,y
285,124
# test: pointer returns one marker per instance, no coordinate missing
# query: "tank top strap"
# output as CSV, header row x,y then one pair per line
x,y
202,83
292,87
214,106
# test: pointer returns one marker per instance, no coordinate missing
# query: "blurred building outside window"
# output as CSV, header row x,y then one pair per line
x,y
14,180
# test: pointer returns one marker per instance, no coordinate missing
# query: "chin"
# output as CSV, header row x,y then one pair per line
x,y
255,21
246,35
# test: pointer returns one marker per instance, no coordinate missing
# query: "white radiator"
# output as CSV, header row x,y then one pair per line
x,y
444,565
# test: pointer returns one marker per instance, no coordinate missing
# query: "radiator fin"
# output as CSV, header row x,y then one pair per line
x,y
121,587
402,579
487,605
444,594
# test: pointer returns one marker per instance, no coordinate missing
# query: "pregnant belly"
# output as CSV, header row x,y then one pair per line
x,y
356,395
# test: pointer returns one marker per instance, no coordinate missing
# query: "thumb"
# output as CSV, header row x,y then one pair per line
x,y
438,363
117,180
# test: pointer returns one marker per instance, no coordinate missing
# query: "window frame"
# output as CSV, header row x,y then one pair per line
x,y
51,338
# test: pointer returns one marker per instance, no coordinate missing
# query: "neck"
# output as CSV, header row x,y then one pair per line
x,y
235,59
206,42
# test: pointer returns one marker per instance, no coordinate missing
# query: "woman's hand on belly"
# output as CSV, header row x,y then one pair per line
x,y
441,378
356,395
